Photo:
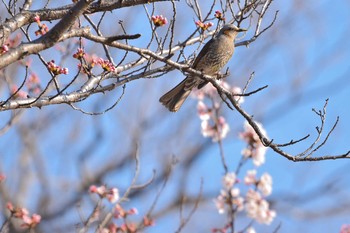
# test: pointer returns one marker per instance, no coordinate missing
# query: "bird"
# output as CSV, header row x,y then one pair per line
x,y
211,59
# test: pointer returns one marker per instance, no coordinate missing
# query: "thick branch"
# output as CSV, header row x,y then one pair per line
x,y
25,17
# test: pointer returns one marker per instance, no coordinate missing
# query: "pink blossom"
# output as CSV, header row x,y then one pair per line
x,y
238,203
2,177
128,227
250,230
104,230
216,132
112,195
265,184
224,199
79,54
133,211
101,191
119,212
23,214
219,15
10,207
235,192
203,111
258,208
223,127
345,228
203,26
33,78
55,69
43,29
255,149
229,180
249,134
148,221
237,90
37,18
18,93
17,212
30,222
250,177
207,130
159,20
64,70
220,203
4,49
106,65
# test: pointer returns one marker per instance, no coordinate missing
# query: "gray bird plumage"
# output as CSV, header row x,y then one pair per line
x,y
211,59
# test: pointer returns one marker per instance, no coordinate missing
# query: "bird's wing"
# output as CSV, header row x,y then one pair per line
x,y
203,52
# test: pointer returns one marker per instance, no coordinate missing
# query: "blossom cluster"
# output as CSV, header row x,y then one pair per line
x,y
219,15
32,84
203,26
89,61
4,49
2,177
253,202
106,65
112,194
23,214
56,69
79,54
10,43
345,228
18,93
213,124
255,149
43,29
159,20
118,212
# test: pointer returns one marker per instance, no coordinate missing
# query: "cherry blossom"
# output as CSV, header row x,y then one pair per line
x,y
112,195
229,180
148,221
18,93
345,228
265,184
43,29
106,65
237,90
55,69
2,177
23,214
250,230
258,208
30,222
218,131
79,54
204,26
4,49
250,177
255,149
203,111
159,20
219,15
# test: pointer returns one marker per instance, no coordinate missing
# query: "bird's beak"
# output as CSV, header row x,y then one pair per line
x,y
242,30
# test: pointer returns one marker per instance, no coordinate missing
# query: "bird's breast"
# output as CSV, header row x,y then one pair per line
x,y
216,57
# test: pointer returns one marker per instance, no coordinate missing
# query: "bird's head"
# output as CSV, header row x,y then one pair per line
x,y
231,31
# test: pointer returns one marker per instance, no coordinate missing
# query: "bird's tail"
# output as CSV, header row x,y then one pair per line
x,y
174,98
